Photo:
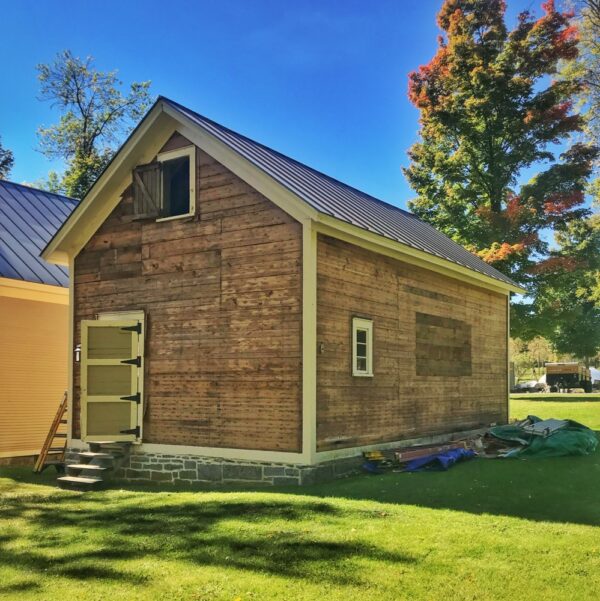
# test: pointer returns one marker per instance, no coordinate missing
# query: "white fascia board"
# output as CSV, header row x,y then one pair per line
x,y
92,211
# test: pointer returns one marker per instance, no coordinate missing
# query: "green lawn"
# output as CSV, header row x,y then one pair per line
x,y
485,530
582,408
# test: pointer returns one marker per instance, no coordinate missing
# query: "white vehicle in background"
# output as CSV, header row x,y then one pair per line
x,y
530,386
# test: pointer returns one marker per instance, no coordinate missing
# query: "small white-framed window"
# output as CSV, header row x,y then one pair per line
x,y
362,347
178,182
166,188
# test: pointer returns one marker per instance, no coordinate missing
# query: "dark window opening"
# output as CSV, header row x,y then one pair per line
x,y
176,187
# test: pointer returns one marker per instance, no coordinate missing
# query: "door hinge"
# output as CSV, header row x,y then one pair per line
x,y
135,431
136,328
135,361
137,397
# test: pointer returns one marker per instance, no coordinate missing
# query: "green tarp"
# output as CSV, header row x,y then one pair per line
x,y
572,439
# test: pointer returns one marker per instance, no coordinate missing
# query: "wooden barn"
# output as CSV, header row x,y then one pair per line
x,y
242,316
33,318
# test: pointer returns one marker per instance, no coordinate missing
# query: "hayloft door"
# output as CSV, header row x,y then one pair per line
x,y
111,380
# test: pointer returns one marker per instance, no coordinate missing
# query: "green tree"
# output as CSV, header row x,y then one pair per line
x,y
96,115
585,69
567,306
491,107
521,358
6,161
530,356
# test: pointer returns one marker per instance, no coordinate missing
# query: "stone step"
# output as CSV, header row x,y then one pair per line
x,y
79,482
95,455
109,443
87,466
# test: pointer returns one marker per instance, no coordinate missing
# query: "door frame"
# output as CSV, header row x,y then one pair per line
x,y
121,316
137,315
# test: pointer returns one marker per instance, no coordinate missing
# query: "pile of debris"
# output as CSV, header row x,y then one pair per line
x,y
531,437
417,458
534,437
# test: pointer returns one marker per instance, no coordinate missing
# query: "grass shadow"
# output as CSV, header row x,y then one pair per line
x,y
254,535
19,587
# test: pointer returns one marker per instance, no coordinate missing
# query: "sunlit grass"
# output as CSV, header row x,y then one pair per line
x,y
581,408
485,530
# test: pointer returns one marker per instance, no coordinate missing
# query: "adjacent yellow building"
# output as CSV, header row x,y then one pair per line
x,y
34,315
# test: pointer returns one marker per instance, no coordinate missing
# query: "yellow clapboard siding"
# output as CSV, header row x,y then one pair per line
x,y
33,372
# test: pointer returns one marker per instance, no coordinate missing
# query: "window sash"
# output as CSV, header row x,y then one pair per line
x,y
178,153
170,201
362,347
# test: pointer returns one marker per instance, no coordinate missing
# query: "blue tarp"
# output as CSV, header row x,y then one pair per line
x,y
439,461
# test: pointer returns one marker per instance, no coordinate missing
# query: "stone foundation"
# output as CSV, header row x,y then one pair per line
x,y
193,469
24,460
143,467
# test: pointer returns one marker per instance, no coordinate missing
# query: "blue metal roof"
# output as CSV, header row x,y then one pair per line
x,y
332,197
28,219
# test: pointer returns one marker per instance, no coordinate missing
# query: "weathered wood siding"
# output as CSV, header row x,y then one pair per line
x,y
222,296
412,393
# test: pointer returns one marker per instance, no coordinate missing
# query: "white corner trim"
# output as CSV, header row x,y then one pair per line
x,y
508,358
70,350
309,341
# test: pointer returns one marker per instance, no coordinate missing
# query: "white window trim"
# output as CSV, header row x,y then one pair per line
x,y
169,155
358,323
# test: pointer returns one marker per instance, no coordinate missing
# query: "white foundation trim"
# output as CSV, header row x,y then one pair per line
x,y
293,458
238,454
431,439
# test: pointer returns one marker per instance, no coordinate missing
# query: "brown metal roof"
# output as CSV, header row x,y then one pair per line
x,y
332,197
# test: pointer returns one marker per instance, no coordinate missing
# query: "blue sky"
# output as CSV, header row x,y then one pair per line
x,y
321,80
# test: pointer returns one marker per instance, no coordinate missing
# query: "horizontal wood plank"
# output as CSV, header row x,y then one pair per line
x,y
222,297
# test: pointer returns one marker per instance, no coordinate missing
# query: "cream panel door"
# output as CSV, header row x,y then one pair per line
x,y
111,373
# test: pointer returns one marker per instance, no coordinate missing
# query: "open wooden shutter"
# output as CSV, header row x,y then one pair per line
x,y
147,190
111,380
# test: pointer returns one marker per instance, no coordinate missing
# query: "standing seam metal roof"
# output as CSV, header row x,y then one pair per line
x,y
28,219
332,197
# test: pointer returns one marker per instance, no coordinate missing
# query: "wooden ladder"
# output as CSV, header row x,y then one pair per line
x,y
49,445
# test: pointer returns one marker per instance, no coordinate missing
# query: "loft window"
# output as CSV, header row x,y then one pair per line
x,y
362,347
166,189
176,187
